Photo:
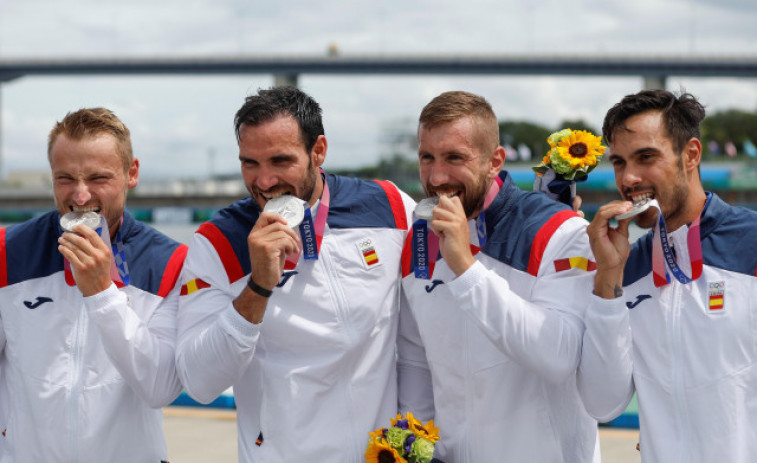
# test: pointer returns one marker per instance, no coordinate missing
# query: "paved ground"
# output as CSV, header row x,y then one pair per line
x,y
201,435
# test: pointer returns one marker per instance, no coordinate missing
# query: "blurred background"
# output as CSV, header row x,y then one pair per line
x,y
176,72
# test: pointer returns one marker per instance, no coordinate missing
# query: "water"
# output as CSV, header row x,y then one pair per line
x,y
180,232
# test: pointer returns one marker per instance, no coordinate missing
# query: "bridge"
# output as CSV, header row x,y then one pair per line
x,y
286,69
654,69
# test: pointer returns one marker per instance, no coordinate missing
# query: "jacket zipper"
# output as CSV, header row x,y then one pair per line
x,y
340,308
678,351
76,384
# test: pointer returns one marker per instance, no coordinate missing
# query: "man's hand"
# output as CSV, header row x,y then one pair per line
x,y
451,226
610,247
90,259
577,202
270,241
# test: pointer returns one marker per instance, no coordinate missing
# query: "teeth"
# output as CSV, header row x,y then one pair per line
x,y
85,209
275,195
449,195
640,198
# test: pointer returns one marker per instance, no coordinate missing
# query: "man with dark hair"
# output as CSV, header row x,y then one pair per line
x,y
88,315
300,319
677,306
491,340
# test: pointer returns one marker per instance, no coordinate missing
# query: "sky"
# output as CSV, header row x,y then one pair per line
x,y
182,125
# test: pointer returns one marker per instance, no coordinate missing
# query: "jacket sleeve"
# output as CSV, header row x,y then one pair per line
x,y
142,351
604,375
415,388
2,336
543,332
215,344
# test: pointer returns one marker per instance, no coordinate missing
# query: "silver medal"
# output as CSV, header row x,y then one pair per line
x,y
289,207
70,220
425,208
637,209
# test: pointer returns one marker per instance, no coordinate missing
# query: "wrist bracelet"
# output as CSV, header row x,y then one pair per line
x,y
257,289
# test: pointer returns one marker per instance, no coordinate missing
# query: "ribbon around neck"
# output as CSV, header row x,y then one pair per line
x,y
425,243
311,231
663,258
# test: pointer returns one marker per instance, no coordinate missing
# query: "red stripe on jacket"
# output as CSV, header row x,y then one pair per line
x,y
3,260
542,239
395,202
224,250
172,270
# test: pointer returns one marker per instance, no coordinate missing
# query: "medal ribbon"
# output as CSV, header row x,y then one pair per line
x,y
425,243
664,259
311,231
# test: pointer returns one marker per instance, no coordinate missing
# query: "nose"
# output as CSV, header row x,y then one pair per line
x,y
81,193
438,175
266,179
630,177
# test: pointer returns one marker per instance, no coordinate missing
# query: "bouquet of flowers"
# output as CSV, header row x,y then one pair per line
x,y
572,155
406,441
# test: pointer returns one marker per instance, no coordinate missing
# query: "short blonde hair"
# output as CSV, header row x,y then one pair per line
x,y
451,106
92,122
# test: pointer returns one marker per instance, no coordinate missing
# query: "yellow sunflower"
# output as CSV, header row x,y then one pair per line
x,y
428,431
379,451
379,433
395,420
580,149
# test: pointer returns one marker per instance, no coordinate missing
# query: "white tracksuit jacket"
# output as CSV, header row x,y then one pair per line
x,y
503,340
319,373
691,350
86,377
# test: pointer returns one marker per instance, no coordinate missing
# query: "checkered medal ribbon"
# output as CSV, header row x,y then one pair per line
x,y
119,258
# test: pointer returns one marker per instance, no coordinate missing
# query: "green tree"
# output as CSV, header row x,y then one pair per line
x,y
732,125
577,124
534,136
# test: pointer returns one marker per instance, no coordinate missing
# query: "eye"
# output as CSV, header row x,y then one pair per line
x,y
282,161
455,158
645,156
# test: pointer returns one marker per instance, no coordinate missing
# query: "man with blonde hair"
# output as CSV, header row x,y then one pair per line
x,y
496,279
87,315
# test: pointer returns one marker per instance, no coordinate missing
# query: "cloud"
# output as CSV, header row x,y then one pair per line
x,y
177,122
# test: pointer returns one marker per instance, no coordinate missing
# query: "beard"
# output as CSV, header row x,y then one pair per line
x,y
303,190
672,203
471,198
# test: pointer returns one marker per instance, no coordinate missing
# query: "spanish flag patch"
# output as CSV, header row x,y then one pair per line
x,y
716,296
368,253
575,262
192,286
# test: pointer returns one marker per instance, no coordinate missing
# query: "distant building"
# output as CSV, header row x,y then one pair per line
x,y
30,179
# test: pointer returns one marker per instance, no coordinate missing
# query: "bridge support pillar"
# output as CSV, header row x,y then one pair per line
x,y
654,82
285,80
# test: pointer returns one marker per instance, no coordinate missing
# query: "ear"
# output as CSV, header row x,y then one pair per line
x,y
133,174
318,153
496,161
692,155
